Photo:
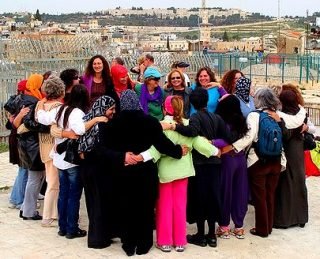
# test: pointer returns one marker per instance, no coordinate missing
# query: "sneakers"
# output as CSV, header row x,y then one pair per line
x,y
12,206
179,248
79,233
238,233
223,232
164,248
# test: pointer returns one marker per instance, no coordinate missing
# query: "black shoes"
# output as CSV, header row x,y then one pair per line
x,y
35,217
79,233
254,232
197,240
62,233
129,249
211,240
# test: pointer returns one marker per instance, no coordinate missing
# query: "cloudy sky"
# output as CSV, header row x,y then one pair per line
x,y
270,7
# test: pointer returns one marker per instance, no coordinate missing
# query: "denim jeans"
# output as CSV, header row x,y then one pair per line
x,y
19,187
69,199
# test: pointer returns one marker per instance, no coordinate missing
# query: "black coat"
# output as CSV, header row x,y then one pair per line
x,y
28,143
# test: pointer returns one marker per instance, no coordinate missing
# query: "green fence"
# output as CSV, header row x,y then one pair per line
x,y
275,67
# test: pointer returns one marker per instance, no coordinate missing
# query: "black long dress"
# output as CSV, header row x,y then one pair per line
x,y
291,202
134,188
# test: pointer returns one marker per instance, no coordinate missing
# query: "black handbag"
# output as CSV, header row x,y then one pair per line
x,y
72,154
309,142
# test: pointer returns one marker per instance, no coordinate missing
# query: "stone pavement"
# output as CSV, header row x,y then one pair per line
x,y
27,239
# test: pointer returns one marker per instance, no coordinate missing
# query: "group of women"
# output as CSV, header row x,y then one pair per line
x,y
185,153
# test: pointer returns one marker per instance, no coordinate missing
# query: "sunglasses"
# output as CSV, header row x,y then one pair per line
x,y
154,78
76,77
177,77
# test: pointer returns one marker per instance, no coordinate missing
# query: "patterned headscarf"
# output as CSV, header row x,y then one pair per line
x,y
243,89
129,101
33,86
99,108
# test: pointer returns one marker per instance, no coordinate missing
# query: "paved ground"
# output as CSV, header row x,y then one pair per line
x,y
27,239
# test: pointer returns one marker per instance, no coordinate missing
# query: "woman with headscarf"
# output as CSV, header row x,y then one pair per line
x,y
96,179
28,146
291,202
136,190
242,91
120,78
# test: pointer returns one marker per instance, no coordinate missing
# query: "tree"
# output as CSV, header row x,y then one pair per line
x,y
37,16
225,36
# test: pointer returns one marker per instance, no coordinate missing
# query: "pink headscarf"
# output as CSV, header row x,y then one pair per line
x,y
168,105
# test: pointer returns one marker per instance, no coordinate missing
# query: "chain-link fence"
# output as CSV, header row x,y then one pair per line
x,y
25,56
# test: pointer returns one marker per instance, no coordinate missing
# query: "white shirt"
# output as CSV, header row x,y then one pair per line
x,y
75,123
291,121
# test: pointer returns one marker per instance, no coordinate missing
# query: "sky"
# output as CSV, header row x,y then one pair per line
x,y
269,7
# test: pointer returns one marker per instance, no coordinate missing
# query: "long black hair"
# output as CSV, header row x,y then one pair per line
x,y
229,110
79,98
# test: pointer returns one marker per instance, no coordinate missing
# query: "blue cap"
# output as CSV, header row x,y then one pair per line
x,y
151,72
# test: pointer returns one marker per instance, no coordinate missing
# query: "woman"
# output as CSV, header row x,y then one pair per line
x,y
177,86
242,92
291,204
151,94
206,79
234,177
98,80
263,172
53,88
28,146
136,190
70,78
173,175
97,181
120,78
69,117
229,80
19,186
204,188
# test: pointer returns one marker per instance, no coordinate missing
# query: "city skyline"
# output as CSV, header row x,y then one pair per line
x,y
287,7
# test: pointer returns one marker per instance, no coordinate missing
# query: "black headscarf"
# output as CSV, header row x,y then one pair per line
x,y
242,89
99,108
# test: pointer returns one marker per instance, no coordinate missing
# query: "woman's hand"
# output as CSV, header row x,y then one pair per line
x,y
211,85
274,115
305,128
168,126
185,149
101,119
226,149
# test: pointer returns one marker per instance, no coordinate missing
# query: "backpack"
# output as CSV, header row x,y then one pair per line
x,y
269,144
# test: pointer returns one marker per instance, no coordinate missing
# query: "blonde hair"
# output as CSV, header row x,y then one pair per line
x,y
183,83
177,105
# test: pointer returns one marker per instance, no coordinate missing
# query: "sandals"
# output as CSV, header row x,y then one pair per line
x,y
238,233
223,232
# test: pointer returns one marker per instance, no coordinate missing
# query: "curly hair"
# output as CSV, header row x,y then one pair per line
x,y
68,75
53,88
227,80
296,90
210,73
105,72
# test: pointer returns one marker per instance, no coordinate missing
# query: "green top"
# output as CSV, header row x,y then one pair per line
x,y
170,169
154,108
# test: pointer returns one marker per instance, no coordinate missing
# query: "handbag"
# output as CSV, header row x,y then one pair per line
x,y
309,142
72,154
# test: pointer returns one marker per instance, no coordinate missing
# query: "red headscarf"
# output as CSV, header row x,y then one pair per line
x,y
117,72
22,85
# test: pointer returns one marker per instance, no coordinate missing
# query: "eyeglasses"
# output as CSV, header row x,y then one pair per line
x,y
154,78
177,77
